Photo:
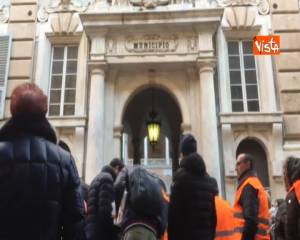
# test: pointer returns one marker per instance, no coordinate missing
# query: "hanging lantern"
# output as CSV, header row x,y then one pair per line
x,y
153,127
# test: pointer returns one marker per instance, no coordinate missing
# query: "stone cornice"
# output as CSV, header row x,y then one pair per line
x,y
207,18
206,64
68,121
251,117
64,39
186,128
97,67
117,130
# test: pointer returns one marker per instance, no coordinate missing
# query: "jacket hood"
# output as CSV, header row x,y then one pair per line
x,y
108,169
21,126
194,164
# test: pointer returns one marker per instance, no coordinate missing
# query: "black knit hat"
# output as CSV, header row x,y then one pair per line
x,y
188,145
292,167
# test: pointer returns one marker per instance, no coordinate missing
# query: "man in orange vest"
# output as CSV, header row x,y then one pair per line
x,y
251,202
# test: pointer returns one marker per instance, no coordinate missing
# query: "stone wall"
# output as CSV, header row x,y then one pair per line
x,y
22,26
285,21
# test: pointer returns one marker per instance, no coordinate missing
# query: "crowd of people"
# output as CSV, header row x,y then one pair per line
x,y
43,198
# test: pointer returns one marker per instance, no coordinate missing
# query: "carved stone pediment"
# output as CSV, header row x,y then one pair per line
x,y
64,23
262,5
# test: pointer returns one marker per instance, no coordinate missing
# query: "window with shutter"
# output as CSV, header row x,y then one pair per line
x,y
5,46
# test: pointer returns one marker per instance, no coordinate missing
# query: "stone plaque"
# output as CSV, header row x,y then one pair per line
x,y
151,43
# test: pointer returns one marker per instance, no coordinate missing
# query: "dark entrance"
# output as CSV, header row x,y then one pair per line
x,y
260,164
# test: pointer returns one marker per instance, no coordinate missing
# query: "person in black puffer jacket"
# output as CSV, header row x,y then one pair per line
x,y
101,196
292,182
135,222
39,184
192,212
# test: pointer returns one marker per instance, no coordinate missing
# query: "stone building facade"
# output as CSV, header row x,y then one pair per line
x,y
106,64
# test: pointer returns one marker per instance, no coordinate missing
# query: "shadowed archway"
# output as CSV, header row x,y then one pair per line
x,y
260,164
166,153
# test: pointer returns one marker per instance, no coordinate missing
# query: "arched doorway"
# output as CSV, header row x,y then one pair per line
x,y
163,158
260,159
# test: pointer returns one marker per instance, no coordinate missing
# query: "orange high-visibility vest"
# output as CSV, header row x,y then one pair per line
x,y
165,236
165,196
263,210
225,229
167,199
85,207
296,188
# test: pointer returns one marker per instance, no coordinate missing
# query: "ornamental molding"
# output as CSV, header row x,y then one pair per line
x,y
148,43
58,6
4,13
263,6
152,43
192,43
111,46
149,4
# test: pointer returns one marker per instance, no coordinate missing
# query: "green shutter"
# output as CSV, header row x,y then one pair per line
x,y
5,47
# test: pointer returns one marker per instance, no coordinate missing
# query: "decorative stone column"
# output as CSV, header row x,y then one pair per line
x,y
228,151
277,161
96,105
95,132
208,115
277,143
117,141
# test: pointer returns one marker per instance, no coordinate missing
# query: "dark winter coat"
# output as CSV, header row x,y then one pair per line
x,y
39,185
100,198
280,222
84,190
120,186
293,217
192,213
131,217
293,208
250,204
